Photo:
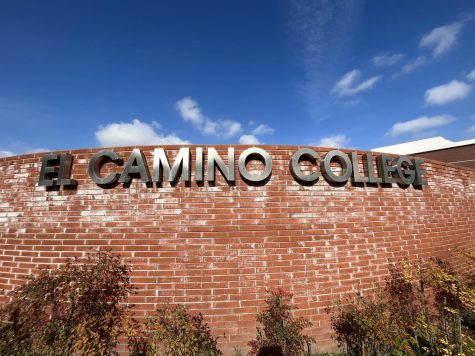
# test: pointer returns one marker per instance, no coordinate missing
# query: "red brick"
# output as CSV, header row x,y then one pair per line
x,y
220,248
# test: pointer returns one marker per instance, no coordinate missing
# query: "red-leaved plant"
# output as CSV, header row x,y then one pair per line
x,y
76,309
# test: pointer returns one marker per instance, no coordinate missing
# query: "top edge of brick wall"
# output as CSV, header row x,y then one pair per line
x,y
267,146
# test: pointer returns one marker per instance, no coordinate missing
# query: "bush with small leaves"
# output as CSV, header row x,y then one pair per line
x,y
77,309
365,326
425,308
175,331
280,330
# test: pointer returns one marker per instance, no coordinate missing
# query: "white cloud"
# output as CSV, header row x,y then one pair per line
x,y
6,153
248,140
134,133
348,85
471,75
190,111
263,129
418,125
446,93
230,128
333,141
387,60
416,63
441,39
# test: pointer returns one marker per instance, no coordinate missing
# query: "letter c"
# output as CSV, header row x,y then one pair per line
x,y
308,154
97,161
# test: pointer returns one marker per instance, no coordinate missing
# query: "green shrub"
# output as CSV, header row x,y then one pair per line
x,y
237,351
365,326
174,331
425,308
280,330
76,309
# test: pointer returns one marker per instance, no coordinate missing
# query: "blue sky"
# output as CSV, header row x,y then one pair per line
x,y
356,74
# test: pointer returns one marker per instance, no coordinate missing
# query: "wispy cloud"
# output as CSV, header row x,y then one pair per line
x,y
414,64
321,30
27,116
190,111
350,84
471,75
387,60
134,133
419,125
37,150
335,141
6,154
263,129
441,39
446,93
471,129
251,139
248,140
19,148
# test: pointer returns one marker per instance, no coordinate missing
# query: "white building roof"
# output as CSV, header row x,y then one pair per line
x,y
428,144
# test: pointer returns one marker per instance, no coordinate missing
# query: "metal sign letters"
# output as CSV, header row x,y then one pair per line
x,y
336,167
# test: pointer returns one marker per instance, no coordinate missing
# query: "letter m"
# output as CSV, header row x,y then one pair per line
x,y
181,166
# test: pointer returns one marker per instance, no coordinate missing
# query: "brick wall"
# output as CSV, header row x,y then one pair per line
x,y
218,248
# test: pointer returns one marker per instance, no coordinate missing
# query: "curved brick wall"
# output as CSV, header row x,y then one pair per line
x,y
219,247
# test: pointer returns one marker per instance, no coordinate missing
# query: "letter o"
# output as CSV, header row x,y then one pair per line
x,y
345,163
260,155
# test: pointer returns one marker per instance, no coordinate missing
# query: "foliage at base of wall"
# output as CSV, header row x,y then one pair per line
x,y
173,331
280,333
426,307
79,308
